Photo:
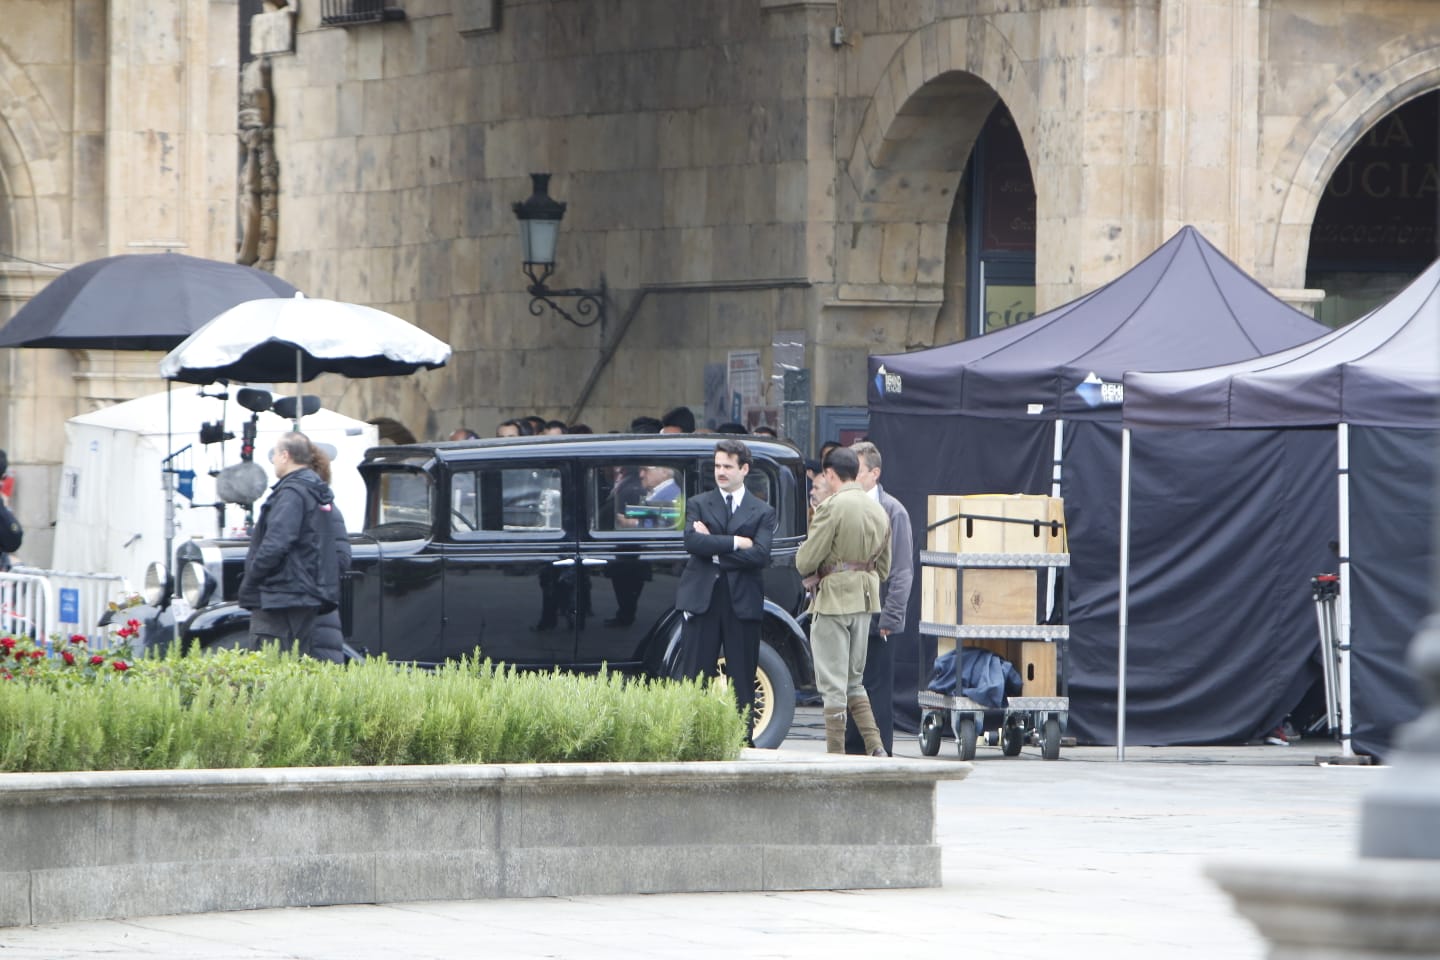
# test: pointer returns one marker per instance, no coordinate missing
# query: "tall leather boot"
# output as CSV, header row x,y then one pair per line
x,y
865,723
835,730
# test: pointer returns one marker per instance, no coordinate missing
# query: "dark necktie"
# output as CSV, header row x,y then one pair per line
x,y
729,505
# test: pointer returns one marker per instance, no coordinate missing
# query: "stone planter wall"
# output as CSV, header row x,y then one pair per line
x,y
100,845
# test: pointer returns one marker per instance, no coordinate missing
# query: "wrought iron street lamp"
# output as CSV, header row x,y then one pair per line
x,y
540,217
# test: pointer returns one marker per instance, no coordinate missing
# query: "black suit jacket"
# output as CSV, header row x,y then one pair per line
x,y
713,554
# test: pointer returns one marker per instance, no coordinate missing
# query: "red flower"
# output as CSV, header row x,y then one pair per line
x,y
121,665
69,658
133,624
7,642
96,660
36,654
77,638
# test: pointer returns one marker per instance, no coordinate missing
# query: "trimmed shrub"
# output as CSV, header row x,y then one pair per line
x,y
273,709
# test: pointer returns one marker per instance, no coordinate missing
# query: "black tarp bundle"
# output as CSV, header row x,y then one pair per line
x,y
1380,376
980,417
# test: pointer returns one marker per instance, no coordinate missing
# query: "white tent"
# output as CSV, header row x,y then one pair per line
x,y
111,512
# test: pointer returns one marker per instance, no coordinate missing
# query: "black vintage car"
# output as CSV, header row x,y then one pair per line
x,y
541,552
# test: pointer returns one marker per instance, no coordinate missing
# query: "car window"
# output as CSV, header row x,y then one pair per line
x,y
520,499
399,506
760,482
636,496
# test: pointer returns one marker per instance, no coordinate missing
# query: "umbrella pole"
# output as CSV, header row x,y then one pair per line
x,y
298,362
167,473
166,476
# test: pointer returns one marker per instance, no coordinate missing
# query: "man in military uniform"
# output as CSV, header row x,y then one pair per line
x,y
849,551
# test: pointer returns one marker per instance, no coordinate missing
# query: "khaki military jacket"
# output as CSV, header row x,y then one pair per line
x,y
849,527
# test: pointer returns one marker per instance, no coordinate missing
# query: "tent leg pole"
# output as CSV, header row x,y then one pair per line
x,y
1056,465
299,373
1342,446
1124,590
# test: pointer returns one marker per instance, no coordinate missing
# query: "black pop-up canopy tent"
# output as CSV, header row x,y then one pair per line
x,y
1371,388
1035,408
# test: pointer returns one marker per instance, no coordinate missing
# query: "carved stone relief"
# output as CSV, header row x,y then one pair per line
x,y
259,191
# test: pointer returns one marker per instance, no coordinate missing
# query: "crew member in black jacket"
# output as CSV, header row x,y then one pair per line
x,y
291,574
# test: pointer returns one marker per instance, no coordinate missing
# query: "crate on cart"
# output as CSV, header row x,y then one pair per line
x,y
988,581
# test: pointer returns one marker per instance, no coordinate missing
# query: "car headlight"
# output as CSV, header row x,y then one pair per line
x,y
157,584
195,584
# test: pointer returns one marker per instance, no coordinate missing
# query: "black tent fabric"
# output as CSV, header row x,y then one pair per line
x,y
1392,484
1381,370
1381,375
1183,306
979,417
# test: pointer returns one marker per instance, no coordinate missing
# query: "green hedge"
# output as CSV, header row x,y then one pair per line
x,y
274,709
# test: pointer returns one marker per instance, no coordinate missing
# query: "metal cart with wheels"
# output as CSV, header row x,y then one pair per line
x,y
1040,715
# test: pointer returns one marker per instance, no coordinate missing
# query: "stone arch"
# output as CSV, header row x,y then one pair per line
x,y
1395,73
393,431
31,143
912,147
395,405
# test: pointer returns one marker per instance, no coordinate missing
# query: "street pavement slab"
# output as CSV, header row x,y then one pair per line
x,y
1081,857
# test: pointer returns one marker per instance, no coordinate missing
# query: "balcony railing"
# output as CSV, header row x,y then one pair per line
x,y
344,13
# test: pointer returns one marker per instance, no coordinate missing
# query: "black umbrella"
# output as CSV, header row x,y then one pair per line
x,y
136,302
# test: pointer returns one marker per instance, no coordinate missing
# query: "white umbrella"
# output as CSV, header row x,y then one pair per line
x,y
275,340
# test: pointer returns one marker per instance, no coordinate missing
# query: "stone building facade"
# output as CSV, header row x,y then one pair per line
x,y
775,180
745,174
117,136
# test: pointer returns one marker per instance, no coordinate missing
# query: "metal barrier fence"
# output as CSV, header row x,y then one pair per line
x,y
27,606
64,602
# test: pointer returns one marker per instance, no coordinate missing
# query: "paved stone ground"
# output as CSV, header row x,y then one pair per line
x,y
1082,857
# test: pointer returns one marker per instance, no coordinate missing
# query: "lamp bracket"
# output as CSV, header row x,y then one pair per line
x,y
590,304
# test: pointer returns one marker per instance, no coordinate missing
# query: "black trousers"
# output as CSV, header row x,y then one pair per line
x,y
706,634
879,683
287,624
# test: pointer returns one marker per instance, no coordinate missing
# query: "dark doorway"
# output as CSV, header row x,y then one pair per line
x,y
1000,267
1375,228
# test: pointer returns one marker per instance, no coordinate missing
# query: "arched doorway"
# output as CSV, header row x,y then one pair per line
x,y
1000,228
1375,227
944,221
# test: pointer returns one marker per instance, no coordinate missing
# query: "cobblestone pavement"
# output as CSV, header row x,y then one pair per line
x,y
1082,857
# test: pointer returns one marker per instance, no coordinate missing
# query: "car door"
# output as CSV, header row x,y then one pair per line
x,y
632,550
511,582
393,588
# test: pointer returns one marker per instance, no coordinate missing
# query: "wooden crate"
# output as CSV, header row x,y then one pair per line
x,y
1034,659
1037,668
939,595
989,536
945,538
992,597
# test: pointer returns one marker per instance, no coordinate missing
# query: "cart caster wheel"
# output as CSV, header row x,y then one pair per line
x,y
965,738
1013,738
1050,741
930,725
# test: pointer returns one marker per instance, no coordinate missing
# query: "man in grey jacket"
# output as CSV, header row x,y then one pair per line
x,y
879,676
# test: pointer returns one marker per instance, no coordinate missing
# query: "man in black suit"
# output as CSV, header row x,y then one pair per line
x,y
728,532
